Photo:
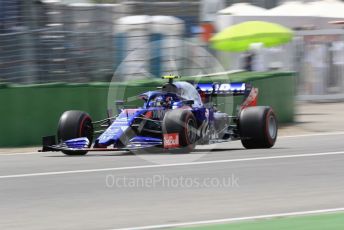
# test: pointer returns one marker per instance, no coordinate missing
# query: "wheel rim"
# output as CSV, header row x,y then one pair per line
x,y
87,129
272,127
191,131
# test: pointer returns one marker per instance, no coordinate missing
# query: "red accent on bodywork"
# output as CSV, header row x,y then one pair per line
x,y
203,96
171,140
251,99
149,115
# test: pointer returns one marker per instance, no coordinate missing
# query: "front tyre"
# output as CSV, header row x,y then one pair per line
x,y
258,127
184,123
74,124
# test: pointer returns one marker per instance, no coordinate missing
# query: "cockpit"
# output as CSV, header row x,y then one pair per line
x,y
165,101
171,95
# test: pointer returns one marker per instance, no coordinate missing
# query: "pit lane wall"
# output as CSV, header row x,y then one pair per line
x,y
29,112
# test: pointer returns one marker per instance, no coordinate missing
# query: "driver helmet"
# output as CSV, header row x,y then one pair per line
x,y
159,101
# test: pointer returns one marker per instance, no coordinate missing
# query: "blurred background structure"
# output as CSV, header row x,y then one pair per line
x,y
82,41
86,40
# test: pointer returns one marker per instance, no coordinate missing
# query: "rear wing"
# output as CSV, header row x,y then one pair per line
x,y
230,89
234,89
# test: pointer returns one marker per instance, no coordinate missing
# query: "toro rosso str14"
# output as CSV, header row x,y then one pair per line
x,y
176,117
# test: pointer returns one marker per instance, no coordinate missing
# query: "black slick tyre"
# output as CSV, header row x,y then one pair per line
x,y
258,127
74,124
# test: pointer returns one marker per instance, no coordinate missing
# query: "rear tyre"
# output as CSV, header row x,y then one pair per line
x,y
184,123
74,124
258,127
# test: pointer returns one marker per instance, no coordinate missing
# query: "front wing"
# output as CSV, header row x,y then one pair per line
x,y
49,144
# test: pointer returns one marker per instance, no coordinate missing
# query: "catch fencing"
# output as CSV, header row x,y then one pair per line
x,y
43,41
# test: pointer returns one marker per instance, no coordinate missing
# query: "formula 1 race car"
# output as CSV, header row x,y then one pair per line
x,y
176,117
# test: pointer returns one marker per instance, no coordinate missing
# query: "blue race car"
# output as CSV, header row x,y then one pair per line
x,y
175,118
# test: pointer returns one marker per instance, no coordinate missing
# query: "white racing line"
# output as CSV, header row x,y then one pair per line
x,y
313,134
280,137
230,220
170,165
13,154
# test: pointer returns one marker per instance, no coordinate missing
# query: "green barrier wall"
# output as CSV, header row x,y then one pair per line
x,y
29,112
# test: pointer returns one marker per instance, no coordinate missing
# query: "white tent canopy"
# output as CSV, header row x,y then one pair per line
x,y
243,9
292,8
327,8
320,8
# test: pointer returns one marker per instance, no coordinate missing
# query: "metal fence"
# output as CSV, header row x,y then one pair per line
x,y
49,42
45,41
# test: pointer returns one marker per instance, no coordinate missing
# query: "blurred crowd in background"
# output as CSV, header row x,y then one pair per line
x,y
45,41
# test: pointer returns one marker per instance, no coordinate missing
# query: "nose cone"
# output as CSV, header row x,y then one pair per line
x,y
116,132
112,134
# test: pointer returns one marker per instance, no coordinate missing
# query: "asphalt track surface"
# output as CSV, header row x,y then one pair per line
x,y
53,191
